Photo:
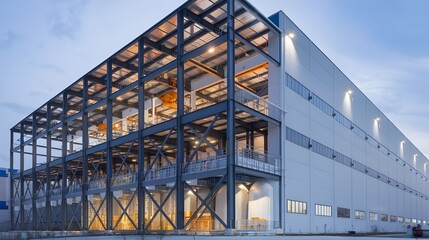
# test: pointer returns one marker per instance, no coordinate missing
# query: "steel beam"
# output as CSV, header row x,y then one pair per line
x,y
48,169
64,132
230,131
109,196
33,172
141,97
11,185
85,143
180,187
21,178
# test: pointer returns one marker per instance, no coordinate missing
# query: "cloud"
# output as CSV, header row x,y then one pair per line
x,y
50,67
66,20
16,107
7,39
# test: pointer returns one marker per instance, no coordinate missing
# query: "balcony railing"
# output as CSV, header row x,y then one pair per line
x,y
257,159
74,187
245,156
257,103
161,172
97,184
56,191
124,179
209,164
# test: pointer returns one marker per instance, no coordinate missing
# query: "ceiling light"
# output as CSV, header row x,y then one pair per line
x,y
211,50
134,160
291,35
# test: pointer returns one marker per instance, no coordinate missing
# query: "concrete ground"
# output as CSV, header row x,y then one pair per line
x,y
385,237
153,237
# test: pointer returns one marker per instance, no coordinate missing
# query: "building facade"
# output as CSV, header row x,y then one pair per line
x,y
217,119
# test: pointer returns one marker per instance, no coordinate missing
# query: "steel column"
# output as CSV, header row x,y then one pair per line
x,y
33,171
85,142
21,176
11,186
141,116
109,198
230,78
48,169
180,188
64,132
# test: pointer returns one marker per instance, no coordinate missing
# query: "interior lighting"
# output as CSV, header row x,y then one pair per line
x,y
211,50
291,35
134,160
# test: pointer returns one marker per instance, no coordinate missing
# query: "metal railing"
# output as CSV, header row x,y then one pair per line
x,y
257,103
260,160
256,224
74,187
97,183
204,165
56,191
124,179
161,172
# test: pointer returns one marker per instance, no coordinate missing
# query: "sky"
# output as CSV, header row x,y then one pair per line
x,y
381,45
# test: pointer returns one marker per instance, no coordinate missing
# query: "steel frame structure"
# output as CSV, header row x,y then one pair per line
x,y
155,159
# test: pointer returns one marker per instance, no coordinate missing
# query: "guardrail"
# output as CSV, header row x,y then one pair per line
x,y
124,179
257,103
161,172
209,164
257,159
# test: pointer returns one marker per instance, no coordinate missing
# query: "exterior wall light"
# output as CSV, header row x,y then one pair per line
x,y
350,92
291,35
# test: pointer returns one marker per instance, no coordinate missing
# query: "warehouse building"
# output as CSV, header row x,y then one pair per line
x,y
215,120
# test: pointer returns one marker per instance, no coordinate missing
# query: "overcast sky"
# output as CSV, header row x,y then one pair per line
x,y
382,46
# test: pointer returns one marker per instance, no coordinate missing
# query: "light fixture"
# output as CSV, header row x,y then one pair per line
x,y
291,35
211,50
350,92
402,142
134,160
377,119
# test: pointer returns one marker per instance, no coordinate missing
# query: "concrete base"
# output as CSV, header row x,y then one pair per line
x,y
230,232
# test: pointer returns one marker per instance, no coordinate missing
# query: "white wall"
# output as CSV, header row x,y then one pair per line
x,y
313,178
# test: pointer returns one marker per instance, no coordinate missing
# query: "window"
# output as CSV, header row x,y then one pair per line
x,y
359,214
407,220
343,212
297,87
323,210
414,220
400,219
393,218
384,217
297,138
296,207
373,216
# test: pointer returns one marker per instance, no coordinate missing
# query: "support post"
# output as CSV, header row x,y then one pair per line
x,y
33,171
141,120
64,132
109,196
180,188
21,177
48,169
85,143
11,186
230,78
